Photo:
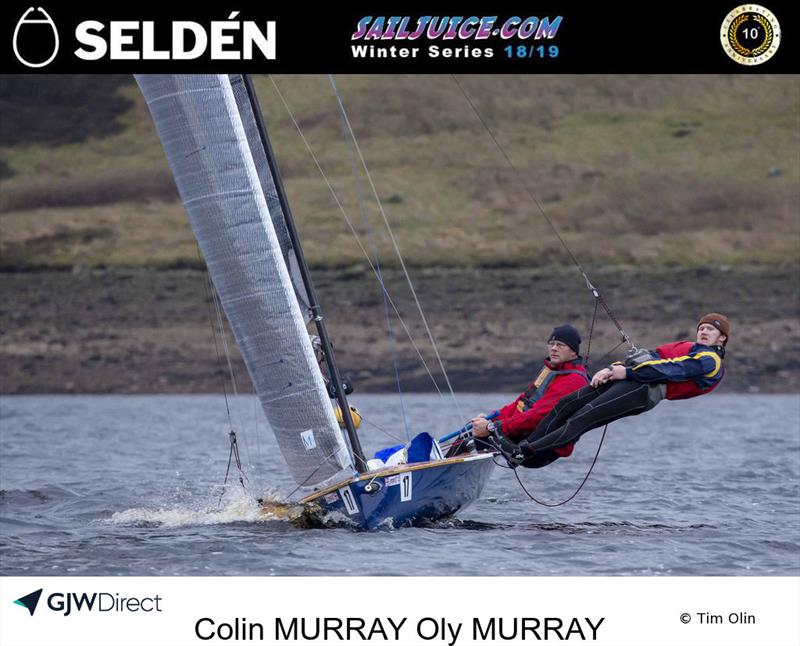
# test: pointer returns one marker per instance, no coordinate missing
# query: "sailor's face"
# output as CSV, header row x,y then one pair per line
x,y
558,352
707,334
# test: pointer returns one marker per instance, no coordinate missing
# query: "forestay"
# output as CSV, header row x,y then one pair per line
x,y
200,125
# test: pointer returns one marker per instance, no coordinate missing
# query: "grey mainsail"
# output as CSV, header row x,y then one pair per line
x,y
199,122
268,186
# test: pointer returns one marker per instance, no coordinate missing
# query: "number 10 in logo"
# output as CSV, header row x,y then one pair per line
x,y
750,34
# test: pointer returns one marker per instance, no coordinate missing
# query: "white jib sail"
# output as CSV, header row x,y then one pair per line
x,y
200,127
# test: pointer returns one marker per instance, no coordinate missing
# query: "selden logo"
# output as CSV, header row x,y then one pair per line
x,y
35,39
69,602
30,601
133,40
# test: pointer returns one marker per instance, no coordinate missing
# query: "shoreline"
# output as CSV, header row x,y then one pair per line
x,y
148,331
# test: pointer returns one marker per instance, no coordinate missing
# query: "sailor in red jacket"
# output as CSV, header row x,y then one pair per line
x,y
562,374
675,370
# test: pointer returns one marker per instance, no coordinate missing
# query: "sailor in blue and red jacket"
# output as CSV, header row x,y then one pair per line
x,y
562,374
679,370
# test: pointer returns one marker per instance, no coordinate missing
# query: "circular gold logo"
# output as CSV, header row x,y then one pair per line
x,y
750,34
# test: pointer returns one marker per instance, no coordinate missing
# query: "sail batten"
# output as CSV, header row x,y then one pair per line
x,y
225,192
213,196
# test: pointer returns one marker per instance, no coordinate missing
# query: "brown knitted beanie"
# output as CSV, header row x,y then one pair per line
x,y
719,321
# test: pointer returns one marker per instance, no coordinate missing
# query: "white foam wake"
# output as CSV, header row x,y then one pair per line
x,y
235,508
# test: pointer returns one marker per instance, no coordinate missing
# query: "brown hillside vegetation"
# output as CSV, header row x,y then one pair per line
x,y
631,169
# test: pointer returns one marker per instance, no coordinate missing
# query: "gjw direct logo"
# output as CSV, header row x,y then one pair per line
x,y
36,39
30,601
69,602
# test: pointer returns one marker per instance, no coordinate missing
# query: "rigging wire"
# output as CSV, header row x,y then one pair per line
x,y
399,255
610,352
355,234
221,328
374,244
233,453
599,446
595,292
382,430
591,334
589,342
234,448
311,475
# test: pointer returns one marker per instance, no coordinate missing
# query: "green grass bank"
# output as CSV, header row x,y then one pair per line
x,y
632,170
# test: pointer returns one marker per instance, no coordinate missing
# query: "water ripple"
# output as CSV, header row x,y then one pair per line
x,y
131,485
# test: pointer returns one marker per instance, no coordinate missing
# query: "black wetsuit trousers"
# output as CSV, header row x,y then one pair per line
x,y
588,408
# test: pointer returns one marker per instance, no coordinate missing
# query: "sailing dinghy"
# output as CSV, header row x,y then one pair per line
x,y
225,170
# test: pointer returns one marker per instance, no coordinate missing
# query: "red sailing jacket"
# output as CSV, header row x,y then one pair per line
x,y
520,417
689,369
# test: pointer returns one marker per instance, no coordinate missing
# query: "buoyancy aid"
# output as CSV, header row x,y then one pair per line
x,y
542,382
535,392
686,389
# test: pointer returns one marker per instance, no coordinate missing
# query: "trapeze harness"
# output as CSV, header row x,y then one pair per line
x,y
589,408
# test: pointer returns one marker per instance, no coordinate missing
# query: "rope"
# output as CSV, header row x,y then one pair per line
x,y
399,255
580,486
234,453
370,235
599,446
595,292
596,455
234,446
544,503
355,235
210,296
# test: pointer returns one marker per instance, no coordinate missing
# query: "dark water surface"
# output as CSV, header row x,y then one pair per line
x,y
105,485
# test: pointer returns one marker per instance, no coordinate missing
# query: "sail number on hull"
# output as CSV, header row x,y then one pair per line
x,y
405,486
349,500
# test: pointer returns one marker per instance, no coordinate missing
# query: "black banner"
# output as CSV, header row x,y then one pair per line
x,y
548,37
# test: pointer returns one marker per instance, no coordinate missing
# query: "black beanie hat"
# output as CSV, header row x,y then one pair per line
x,y
569,335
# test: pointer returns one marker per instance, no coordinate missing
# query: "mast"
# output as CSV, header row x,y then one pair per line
x,y
316,311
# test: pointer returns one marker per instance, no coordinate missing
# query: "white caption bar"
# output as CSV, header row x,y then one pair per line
x,y
452,611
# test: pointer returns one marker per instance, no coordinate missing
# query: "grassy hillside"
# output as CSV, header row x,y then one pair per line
x,y
632,170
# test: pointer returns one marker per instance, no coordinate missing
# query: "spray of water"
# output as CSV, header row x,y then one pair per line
x,y
235,507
